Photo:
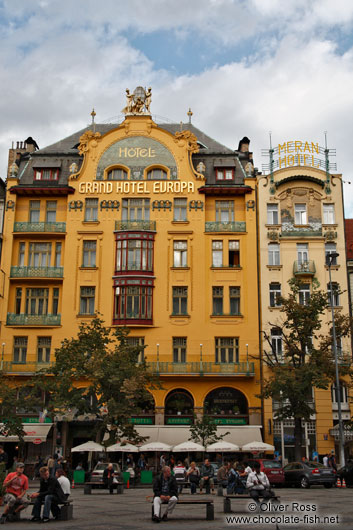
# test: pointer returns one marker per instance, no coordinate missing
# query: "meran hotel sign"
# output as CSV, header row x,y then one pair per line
x,y
298,153
142,187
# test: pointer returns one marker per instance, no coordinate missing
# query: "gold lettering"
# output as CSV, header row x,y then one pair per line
x,y
282,162
89,187
177,186
109,187
122,152
290,160
307,147
95,187
119,187
131,152
313,162
140,187
282,147
133,184
298,146
183,186
163,187
170,187
82,187
289,144
145,187
305,160
151,152
143,153
156,186
126,187
314,147
190,187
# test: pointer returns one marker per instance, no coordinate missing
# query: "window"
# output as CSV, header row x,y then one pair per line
x,y
304,293
341,394
225,174
137,342
233,254
329,214
91,210
58,254
34,211
133,302
180,299
330,248
277,343
303,253
37,301
227,349
43,349
134,254
21,254
225,211
89,254
179,349
55,301
273,254
234,300
136,210
275,293
272,214
157,174
20,350
180,210
46,174
217,253
117,174
300,214
39,254
180,253
87,296
50,212
335,300
18,301
217,300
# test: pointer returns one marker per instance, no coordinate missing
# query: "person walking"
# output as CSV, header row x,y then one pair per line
x,y
325,460
50,493
165,490
193,474
207,474
16,485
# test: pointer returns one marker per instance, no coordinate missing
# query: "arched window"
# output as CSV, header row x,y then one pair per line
x,y
226,401
157,173
117,173
179,407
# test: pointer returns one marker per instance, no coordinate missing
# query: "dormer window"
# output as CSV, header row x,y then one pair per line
x,y
117,173
157,173
46,174
225,174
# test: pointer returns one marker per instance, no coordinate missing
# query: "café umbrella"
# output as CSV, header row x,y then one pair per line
x,y
223,447
257,447
155,447
88,447
124,448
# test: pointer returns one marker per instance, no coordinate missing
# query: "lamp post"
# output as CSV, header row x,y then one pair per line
x,y
201,369
2,356
330,257
157,358
247,357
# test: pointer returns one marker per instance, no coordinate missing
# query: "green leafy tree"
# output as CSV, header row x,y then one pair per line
x,y
204,430
307,359
97,373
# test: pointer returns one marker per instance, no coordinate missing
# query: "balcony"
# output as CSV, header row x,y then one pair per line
x,y
22,368
147,226
304,268
39,227
218,226
37,272
202,368
33,320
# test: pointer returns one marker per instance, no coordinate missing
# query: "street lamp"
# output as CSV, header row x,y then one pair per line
x,y
330,258
2,356
158,358
247,357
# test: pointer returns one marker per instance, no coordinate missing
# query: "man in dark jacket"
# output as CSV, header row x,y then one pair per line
x,y
50,493
207,474
165,490
108,477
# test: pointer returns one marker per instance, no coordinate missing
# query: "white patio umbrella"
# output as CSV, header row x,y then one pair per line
x,y
127,448
155,447
222,447
188,447
257,446
88,447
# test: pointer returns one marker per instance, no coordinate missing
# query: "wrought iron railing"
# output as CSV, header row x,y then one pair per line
x,y
37,272
23,367
219,226
33,320
304,267
39,227
135,225
202,368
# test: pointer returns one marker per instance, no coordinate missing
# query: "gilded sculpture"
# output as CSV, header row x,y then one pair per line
x,y
138,102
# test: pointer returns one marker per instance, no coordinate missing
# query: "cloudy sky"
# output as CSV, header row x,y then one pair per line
x,y
245,67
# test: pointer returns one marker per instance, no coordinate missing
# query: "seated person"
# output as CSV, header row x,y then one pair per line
x,y
165,490
180,475
108,477
258,484
16,485
207,474
235,484
50,493
222,474
64,482
193,474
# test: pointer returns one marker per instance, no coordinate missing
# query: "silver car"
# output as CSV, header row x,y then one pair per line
x,y
97,473
305,474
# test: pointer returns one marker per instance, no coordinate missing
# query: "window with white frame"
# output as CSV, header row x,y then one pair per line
x,y
275,293
34,211
272,214
50,211
39,255
179,349
329,214
273,254
37,301
334,297
227,349
217,253
180,210
304,293
180,253
303,253
340,393
136,210
300,217
225,211
117,173
91,210
330,248
89,254
276,340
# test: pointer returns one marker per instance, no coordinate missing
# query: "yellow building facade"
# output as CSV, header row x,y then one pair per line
x,y
301,221
154,227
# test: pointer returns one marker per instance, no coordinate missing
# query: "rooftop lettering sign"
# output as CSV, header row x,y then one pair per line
x,y
298,153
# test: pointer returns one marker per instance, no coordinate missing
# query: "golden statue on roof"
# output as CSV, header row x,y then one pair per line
x,y
138,102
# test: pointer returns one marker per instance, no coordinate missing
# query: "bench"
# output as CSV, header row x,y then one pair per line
x,y
228,498
66,510
208,502
88,486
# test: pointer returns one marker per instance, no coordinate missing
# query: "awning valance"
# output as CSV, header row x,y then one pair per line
x,y
33,432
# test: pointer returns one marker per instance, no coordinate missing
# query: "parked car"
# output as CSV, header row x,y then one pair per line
x,y
97,473
272,468
346,473
306,474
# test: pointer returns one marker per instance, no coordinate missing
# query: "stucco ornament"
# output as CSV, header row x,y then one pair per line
x,y
73,168
138,102
187,138
201,168
88,140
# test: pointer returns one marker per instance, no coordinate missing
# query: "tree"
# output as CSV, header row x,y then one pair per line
x,y
204,430
11,423
306,360
97,373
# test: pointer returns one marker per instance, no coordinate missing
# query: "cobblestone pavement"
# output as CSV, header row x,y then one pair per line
x,y
133,510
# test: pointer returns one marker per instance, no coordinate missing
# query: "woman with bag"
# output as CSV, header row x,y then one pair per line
x,y
193,474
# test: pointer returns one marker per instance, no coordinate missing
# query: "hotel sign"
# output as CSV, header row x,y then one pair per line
x,y
143,187
295,153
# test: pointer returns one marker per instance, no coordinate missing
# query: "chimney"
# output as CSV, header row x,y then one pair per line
x,y
244,145
15,155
